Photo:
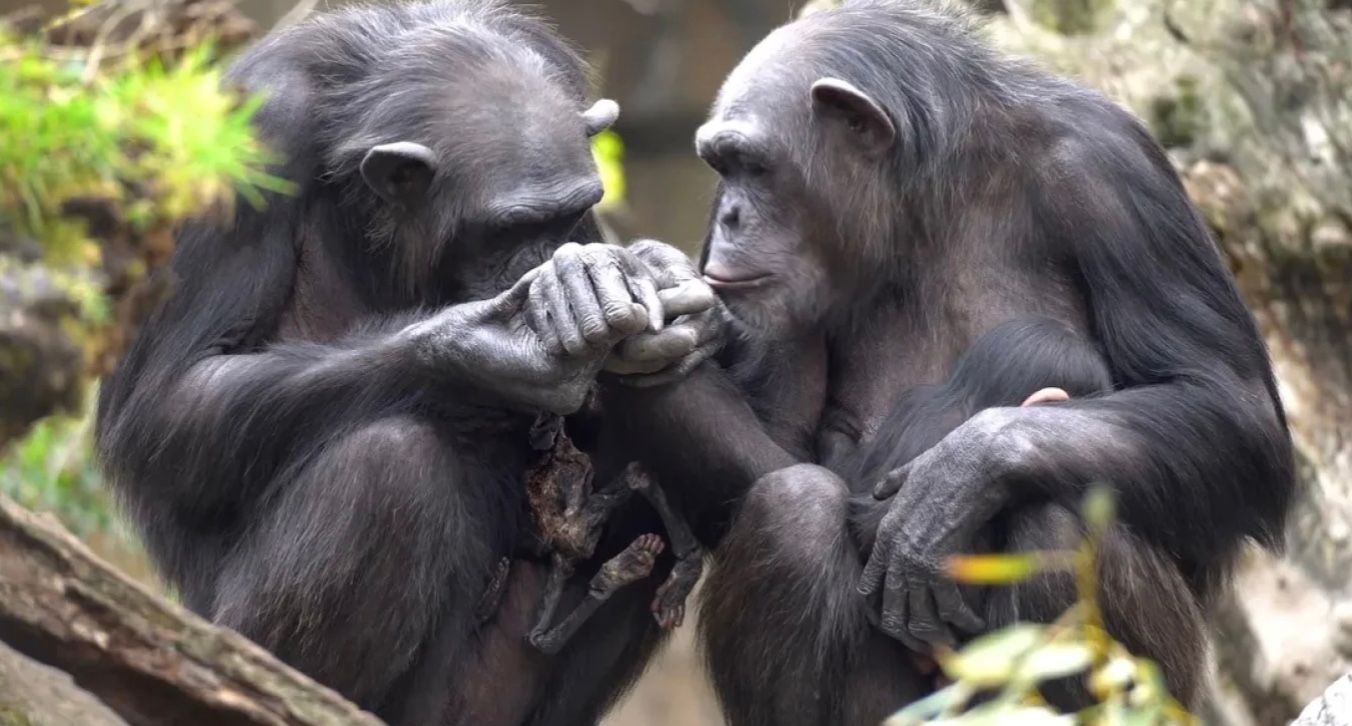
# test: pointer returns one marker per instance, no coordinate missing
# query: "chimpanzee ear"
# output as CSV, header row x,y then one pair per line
x,y
400,172
600,116
835,99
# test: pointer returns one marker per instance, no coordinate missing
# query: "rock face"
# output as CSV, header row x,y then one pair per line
x,y
1253,98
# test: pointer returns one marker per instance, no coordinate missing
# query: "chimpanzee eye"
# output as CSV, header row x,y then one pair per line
x,y
754,167
718,163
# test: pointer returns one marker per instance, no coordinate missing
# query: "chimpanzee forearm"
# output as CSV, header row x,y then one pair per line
x,y
229,415
1195,467
700,439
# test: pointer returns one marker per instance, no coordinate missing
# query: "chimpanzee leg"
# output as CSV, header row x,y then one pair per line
x,y
784,627
669,605
1146,603
609,650
633,564
377,538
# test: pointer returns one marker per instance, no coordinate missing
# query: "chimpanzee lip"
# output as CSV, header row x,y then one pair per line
x,y
721,283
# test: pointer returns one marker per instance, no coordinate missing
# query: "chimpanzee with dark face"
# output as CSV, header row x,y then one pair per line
x,y
323,434
891,193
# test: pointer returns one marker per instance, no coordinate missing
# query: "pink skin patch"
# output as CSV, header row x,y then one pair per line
x,y
1046,395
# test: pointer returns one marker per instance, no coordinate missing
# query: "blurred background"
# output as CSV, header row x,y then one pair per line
x,y
1252,98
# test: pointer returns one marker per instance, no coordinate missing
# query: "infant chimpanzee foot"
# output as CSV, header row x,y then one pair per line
x,y
669,604
633,564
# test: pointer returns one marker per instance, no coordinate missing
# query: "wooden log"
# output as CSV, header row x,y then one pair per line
x,y
147,659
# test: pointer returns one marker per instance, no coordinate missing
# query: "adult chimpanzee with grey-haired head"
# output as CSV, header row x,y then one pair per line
x,y
323,434
892,194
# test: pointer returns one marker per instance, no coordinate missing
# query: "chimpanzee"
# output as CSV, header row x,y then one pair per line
x,y
891,191
323,435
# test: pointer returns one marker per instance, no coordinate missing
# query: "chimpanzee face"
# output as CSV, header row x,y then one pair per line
x,y
801,159
493,185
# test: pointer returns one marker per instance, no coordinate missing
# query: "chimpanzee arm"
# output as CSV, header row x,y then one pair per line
x,y
1194,442
699,436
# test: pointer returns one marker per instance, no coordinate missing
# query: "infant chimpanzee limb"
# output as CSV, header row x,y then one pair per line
x,y
1004,367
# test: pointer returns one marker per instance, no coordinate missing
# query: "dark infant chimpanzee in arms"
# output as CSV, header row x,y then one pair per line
x,y
324,434
891,193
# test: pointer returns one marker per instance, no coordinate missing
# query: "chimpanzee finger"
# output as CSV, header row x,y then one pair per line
x,y
896,614
510,302
621,312
680,371
953,609
688,298
924,623
561,315
644,290
538,313
630,368
537,317
871,580
892,482
571,262
671,344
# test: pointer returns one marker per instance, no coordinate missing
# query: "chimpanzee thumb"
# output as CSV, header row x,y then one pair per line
x,y
892,483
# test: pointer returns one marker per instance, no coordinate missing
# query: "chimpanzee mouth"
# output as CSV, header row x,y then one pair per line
x,y
723,284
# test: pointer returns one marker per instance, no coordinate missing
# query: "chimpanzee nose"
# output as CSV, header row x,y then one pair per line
x,y
731,217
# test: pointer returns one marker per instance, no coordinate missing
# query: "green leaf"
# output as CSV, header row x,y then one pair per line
x,y
1055,660
1009,716
990,660
1100,504
608,151
1005,569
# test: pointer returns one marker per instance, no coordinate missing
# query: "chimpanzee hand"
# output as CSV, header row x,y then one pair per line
x,y
695,331
540,344
587,298
942,499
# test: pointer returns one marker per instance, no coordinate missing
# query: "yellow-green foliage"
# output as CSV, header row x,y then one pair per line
x,y
608,150
1011,663
155,141
160,141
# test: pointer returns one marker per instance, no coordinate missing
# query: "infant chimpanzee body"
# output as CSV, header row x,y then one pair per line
x,y
1026,361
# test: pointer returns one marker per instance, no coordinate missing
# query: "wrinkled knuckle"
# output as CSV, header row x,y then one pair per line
x,y
618,313
595,329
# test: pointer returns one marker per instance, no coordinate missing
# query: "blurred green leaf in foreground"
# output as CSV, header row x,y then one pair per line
x,y
1007,666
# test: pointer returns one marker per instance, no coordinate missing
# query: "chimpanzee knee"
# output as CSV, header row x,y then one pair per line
x,y
348,568
781,620
799,511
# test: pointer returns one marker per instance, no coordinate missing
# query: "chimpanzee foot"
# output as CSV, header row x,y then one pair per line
x,y
669,604
633,564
